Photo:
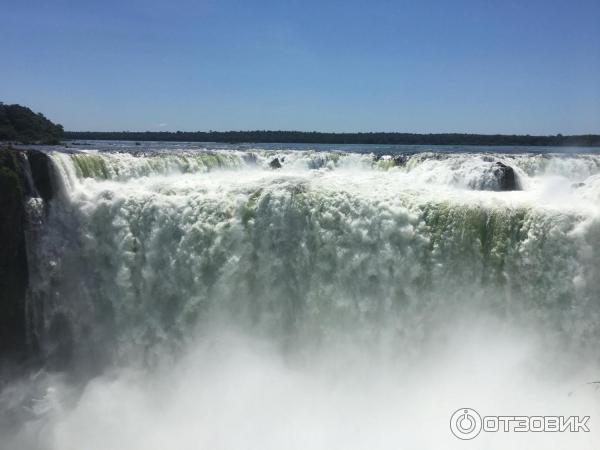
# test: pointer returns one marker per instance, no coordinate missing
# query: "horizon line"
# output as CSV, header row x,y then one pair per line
x,y
407,133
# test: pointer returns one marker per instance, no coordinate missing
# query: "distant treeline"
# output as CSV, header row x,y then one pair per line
x,y
21,124
337,138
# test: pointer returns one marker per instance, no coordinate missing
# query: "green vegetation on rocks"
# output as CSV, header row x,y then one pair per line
x,y
13,255
21,124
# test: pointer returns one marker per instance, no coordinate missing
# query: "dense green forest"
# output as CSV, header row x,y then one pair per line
x,y
21,124
339,138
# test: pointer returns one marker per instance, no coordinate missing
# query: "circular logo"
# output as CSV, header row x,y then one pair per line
x,y
465,423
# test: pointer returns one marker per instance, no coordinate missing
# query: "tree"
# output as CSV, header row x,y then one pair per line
x,y
19,123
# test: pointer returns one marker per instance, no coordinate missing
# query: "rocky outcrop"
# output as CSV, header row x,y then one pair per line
x,y
506,177
23,175
20,124
401,160
275,164
14,274
41,174
396,160
494,176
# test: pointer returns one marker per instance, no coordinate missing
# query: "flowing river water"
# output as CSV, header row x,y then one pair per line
x,y
206,297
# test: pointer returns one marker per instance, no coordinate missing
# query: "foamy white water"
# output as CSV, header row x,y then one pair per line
x,y
344,300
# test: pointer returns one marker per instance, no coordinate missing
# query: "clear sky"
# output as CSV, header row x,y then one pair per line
x,y
488,66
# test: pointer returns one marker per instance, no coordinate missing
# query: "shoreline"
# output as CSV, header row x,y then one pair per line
x,y
297,137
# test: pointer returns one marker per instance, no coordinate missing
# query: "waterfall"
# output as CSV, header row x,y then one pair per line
x,y
146,256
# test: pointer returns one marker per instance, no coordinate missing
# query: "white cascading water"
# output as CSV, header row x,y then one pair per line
x,y
342,301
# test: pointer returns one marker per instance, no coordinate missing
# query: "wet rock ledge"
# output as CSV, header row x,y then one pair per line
x,y
24,174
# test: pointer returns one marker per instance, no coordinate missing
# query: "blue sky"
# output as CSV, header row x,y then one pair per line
x,y
501,66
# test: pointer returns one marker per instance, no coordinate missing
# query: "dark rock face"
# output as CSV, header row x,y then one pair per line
x,y
400,160
275,164
506,177
41,174
23,174
14,273
496,177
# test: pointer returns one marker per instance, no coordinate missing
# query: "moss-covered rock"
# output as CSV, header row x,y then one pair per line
x,y
13,256
23,174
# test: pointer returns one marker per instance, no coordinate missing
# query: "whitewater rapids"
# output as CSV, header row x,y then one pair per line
x,y
203,299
